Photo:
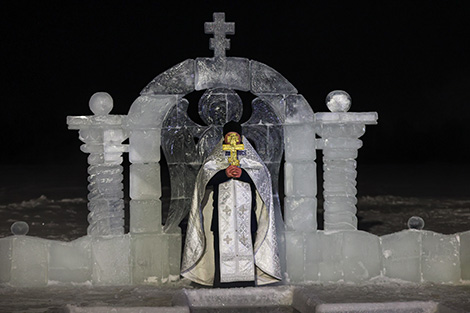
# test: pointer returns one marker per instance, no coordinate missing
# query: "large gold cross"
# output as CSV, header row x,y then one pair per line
x,y
233,146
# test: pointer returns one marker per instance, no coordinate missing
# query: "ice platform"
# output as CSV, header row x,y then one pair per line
x,y
381,296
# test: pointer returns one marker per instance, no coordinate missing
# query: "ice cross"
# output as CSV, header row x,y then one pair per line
x,y
219,28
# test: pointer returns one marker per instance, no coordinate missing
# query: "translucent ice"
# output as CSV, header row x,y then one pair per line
x,y
415,222
440,258
465,255
177,80
29,262
222,72
295,251
300,213
149,252
70,261
111,260
265,79
144,146
146,216
19,228
402,255
300,179
145,181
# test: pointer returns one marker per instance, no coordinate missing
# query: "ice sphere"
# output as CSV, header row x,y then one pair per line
x,y
5,259
300,179
338,101
228,72
361,256
296,260
300,213
440,261
265,79
177,80
146,216
218,106
19,228
415,222
299,142
70,261
111,260
101,103
298,111
144,146
402,255
149,252
465,255
29,262
145,183
148,112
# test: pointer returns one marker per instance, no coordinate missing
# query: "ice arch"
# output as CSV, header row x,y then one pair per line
x,y
147,113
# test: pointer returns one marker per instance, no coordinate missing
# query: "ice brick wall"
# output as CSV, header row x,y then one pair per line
x,y
355,256
27,261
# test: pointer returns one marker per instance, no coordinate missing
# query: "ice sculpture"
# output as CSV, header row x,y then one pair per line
x,y
282,123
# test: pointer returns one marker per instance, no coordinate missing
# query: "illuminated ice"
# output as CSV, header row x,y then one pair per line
x,y
19,228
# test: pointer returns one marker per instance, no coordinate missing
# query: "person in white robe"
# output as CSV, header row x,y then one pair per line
x,y
239,253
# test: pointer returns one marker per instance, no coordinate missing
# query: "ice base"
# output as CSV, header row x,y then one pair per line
x,y
357,256
102,261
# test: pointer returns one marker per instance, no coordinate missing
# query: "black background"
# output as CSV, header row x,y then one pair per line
x,y
407,61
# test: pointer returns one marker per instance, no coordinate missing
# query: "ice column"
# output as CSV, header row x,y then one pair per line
x,y
103,136
340,131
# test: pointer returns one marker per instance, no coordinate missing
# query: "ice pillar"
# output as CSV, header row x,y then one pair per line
x,y
103,136
340,131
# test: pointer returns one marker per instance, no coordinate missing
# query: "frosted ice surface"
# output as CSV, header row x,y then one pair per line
x,y
300,179
111,260
331,267
144,146
297,110
29,262
101,103
265,79
295,251
361,256
148,254
19,228
233,73
300,213
440,258
415,222
300,142
145,216
177,80
465,255
147,112
70,261
219,106
313,256
5,259
338,101
402,255
145,183
174,254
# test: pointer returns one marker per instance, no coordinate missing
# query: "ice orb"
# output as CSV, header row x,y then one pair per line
x,y
416,222
19,228
338,101
101,103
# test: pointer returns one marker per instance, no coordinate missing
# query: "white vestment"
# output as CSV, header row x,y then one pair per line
x,y
198,255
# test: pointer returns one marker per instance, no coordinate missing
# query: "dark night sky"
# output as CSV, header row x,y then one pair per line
x,y
409,62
